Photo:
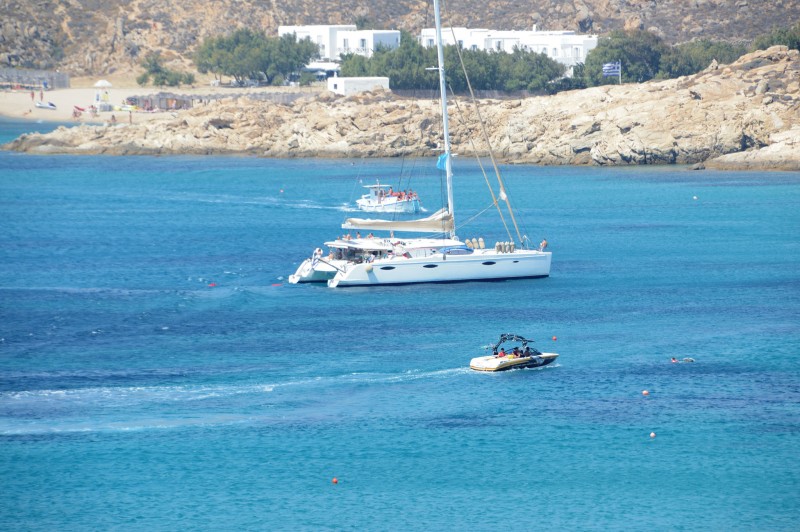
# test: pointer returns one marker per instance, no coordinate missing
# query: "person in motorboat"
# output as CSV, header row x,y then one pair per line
x,y
527,352
515,353
501,353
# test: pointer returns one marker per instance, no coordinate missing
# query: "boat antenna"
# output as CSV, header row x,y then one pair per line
x,y
445,126
503,194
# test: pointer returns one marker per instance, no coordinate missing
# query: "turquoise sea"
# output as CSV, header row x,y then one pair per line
x,y
157,372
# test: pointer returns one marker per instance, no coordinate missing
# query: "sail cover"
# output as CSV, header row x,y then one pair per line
x,y
438,222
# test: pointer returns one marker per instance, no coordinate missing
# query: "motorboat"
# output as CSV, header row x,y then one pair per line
x,y
383,198
45,105
439,256
518,354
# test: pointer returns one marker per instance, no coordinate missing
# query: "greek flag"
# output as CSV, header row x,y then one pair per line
x,y
441,164
612,69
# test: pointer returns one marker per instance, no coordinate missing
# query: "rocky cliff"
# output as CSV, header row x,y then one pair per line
x,y
98,37
744,111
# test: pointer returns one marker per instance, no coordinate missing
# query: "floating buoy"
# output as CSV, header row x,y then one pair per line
x,y
335,480
212,284
554,338
652,434
694,197
645,392
277,284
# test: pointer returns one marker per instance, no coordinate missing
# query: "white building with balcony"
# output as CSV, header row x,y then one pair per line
x,y
323,36
336,40
364,42
563,46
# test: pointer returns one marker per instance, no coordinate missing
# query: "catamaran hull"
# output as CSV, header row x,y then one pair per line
x,y
483,265
494,363
307,272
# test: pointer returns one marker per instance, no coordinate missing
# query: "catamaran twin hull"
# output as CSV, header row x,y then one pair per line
x,y
481,265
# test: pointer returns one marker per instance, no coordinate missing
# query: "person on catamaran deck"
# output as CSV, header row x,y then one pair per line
x,y
543,244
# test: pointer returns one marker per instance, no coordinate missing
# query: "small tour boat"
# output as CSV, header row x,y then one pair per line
x,y
382,198
519,356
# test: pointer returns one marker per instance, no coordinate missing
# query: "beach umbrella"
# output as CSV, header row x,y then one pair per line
x,y
102,83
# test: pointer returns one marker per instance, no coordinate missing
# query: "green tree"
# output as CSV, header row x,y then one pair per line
x,y
639,52
247,54
692,57
161,75
786,36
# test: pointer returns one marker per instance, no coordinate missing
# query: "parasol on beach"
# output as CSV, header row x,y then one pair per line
x,y
102,84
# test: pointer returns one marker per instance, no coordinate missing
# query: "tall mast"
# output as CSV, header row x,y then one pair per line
x,y
445,127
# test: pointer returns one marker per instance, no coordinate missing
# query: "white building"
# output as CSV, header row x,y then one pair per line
x,y
563,46
324,36
335,40
364,42
348,86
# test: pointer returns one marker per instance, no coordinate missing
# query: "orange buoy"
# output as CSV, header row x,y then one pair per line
x,y
554,338
335,480
645,392
212,284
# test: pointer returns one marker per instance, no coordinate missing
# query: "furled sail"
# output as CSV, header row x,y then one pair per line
x,y
438,222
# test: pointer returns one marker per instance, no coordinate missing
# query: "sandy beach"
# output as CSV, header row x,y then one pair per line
x,y
19,104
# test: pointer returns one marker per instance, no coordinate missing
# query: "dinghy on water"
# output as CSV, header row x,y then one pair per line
x,y
519,356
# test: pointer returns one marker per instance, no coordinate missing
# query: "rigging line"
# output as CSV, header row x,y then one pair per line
x,y
355,184
504,195
495,203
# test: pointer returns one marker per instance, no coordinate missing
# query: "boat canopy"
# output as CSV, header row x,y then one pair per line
x,y
439,222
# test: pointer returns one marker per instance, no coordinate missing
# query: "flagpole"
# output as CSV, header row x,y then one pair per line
x,y
619,71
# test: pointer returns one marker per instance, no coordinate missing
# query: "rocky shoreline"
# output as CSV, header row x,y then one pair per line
x,y
740,116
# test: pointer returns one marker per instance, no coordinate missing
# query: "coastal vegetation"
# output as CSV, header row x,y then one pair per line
x,y
643,55
788,36
154,69
406,67
246,54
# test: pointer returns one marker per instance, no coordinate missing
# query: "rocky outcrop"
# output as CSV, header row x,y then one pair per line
x,y
90,37
783,153
745,108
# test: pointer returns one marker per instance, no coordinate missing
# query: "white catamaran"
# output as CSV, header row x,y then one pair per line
x,y
438,257
382,198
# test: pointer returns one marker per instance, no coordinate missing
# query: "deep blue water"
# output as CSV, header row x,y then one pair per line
x,y
157,372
